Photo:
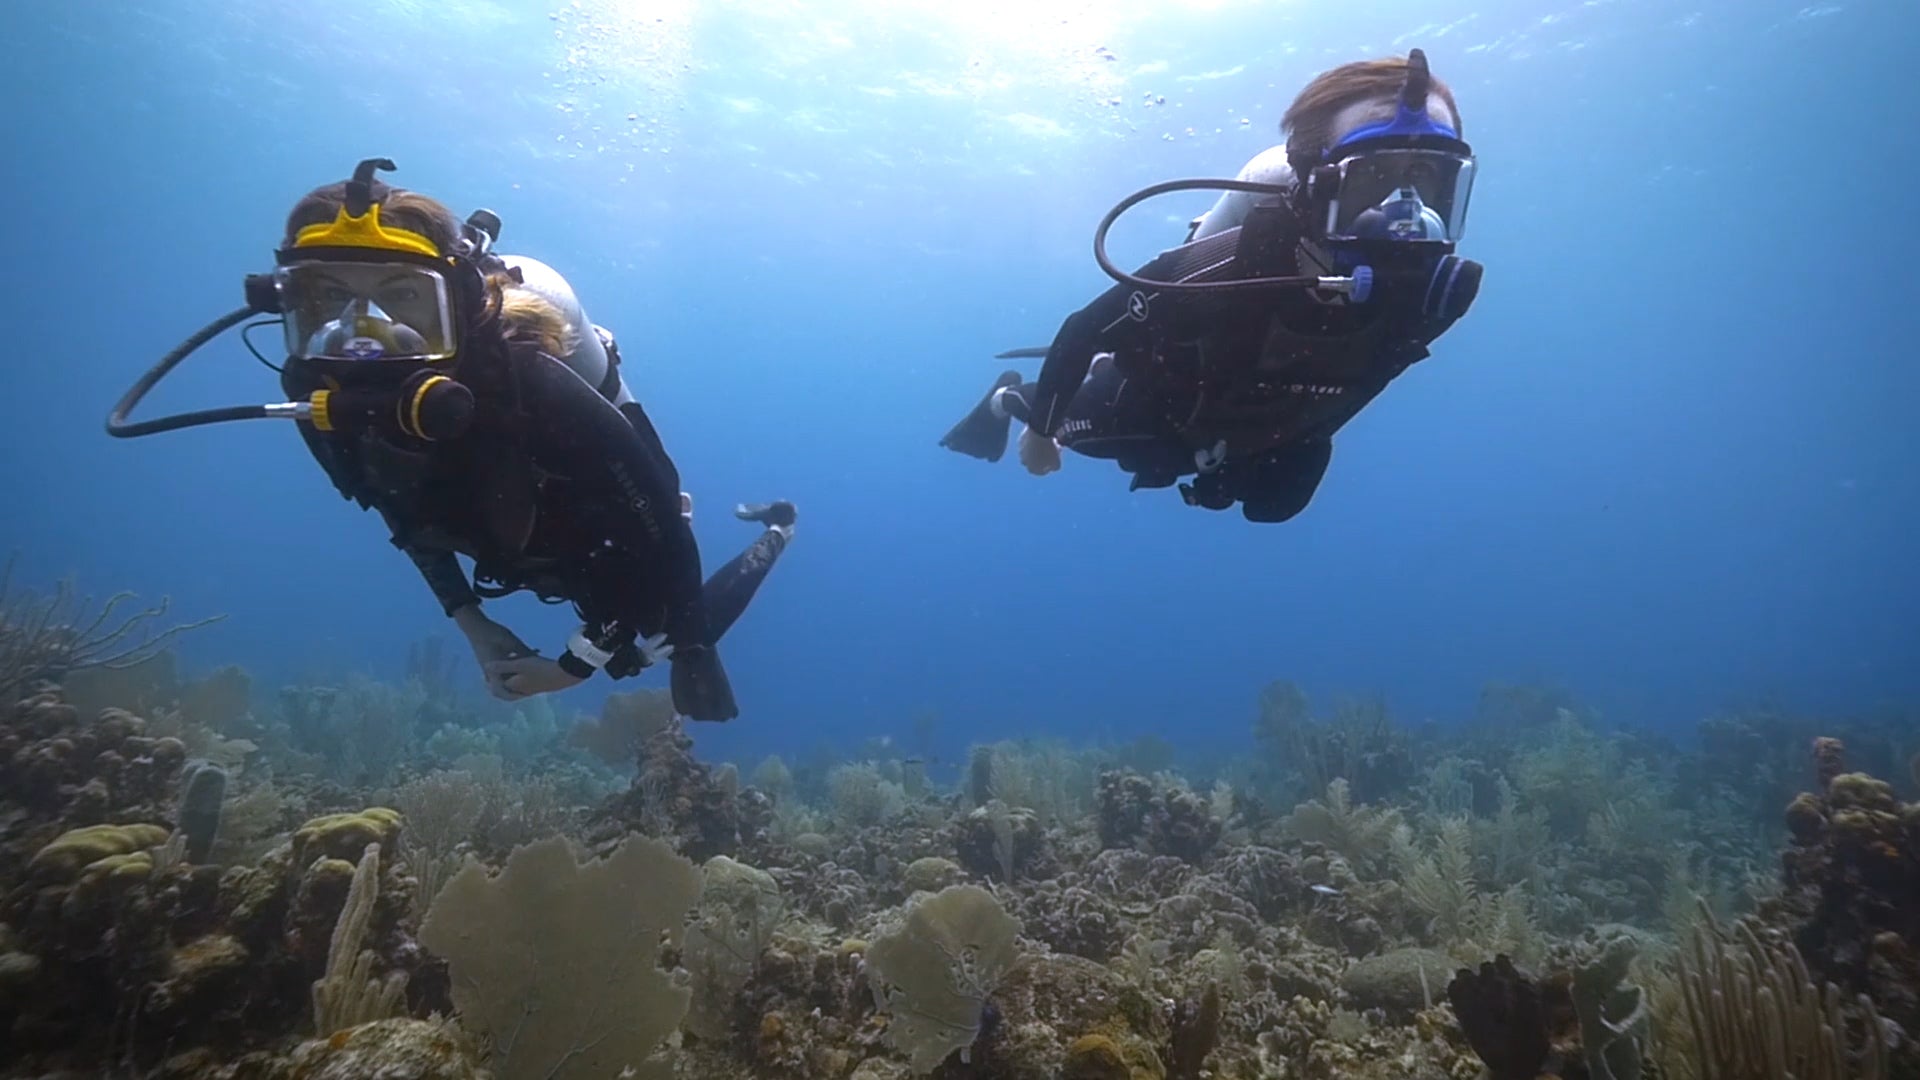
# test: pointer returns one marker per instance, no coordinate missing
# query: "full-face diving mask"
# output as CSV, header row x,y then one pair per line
x,y
1404,180
347,309
374,310
1399,194
354,289
1388,204
1385,207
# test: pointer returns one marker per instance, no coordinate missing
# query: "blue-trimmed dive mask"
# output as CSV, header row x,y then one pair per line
x,y
1400,194
1406,179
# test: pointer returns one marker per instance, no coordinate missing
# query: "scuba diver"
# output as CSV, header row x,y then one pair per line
x,y
1324,270
463,394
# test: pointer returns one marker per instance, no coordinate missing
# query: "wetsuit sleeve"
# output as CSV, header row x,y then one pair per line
x,y
440,569
1122,318
444,576
647,566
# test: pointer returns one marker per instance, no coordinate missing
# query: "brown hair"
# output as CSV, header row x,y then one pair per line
x,y
1309,121
525,316
399,208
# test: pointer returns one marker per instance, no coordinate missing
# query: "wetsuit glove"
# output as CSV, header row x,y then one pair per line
x,y
700,687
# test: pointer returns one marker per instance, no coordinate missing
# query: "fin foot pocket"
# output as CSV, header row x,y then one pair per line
x,y
983,433
774,514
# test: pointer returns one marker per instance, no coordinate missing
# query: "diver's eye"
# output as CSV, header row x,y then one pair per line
x,y
336,295
399,294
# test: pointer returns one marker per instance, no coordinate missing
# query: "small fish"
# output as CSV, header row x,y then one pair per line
x,y
1325,890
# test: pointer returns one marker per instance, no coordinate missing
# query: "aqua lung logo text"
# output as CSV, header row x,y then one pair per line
x,y
637,499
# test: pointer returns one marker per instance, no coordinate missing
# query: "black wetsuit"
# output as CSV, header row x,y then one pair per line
x,y
1272,374
552,490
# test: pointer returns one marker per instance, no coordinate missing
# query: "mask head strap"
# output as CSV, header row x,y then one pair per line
x,y
1410,116
1419,81
361,190
357,224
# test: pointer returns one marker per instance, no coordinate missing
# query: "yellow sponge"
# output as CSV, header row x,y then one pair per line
x,y
346,836
71,851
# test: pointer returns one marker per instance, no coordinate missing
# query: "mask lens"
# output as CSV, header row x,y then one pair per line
x,y
1404,194
365,311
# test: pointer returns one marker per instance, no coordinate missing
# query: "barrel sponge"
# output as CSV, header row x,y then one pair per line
x,y
935,968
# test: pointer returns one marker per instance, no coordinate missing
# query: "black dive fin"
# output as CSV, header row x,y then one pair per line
x,y
982,434
1033,352
700,687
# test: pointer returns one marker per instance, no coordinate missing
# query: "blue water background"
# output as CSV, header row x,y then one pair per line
x,y
1668,461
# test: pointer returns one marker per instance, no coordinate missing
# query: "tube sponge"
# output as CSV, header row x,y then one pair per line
x,y
934,970
203,787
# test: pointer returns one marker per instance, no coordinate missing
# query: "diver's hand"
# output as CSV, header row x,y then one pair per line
x,y
700,687
528,676
642,654
491,643
1039,453
653,649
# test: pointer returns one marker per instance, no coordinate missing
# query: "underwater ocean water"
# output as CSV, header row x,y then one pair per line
x,y
1657,486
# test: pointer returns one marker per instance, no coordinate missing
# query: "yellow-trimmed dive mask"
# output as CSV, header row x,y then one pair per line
x,y
366,306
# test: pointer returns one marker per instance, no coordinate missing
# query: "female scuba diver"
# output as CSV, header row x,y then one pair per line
x,y
463,394
1325,270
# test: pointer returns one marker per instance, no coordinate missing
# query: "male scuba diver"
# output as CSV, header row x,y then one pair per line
x,y
463,394
1325,269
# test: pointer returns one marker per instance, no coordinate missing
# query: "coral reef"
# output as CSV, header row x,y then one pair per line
x,y
1003,844
936,968
62,633
59,770
681,799
740,907
556,963
121,934
1753,1010
1850,876
1505,1017
377,879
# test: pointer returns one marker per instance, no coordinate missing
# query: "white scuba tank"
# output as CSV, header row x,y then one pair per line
x,y
589,357
1267,167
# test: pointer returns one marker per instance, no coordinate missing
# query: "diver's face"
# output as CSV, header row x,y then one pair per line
x,y
1401,193
324,300
398,291
391,291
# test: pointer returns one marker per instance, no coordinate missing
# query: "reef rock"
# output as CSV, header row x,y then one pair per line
x,y
1401,981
